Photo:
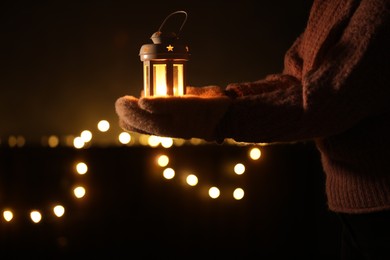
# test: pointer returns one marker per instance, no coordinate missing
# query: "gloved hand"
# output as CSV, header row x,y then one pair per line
x,y
194,115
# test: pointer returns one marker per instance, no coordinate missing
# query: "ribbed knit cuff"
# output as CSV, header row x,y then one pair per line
x,y
353,193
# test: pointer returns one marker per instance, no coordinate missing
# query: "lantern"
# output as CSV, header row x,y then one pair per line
x,y
164,62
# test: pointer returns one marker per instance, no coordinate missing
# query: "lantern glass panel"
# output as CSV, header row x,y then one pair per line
x,y
178,79
159,79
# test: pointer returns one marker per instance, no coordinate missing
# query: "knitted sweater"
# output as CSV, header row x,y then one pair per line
x,y
335,90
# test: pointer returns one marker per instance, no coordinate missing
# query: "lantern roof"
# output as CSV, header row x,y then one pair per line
x,y
166,45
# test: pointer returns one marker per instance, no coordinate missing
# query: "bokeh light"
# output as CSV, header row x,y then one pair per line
x,y
59,210
103,125
255,153
86,136
179,141
239,168
124,138
78,142
53,141
238,193
79,192
166,142
8,215
35,216
169,173
196,141
214,192
162,160
153,141
143,140
81,168
192,180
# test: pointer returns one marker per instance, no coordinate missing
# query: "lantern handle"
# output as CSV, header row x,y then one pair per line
x,y
177,12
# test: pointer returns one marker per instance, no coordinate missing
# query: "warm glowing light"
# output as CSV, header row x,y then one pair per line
x,y
192,180
160,79
53,141
86,136
238,193
179,76
239,168
153,141
59,210
214,192
78,142
16,141
79,192
69,140
163,160
166,142
169,173
196,141
81,168
103,125
8,215
12,141
179,141
35,216
143,139
124,138
255,153
20,141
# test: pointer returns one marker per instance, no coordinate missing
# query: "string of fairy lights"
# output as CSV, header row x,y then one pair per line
x,y
162,161
58,209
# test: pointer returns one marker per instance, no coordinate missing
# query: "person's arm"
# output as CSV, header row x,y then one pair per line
x,y
344,84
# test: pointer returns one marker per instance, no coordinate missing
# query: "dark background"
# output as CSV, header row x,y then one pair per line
x,y
63,65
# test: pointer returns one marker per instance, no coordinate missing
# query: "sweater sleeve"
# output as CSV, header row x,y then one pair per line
x,y
323,92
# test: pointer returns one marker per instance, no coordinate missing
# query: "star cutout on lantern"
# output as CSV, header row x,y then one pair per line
x,y
170,47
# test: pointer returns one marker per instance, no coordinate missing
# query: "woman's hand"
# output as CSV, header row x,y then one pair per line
x,y
194,115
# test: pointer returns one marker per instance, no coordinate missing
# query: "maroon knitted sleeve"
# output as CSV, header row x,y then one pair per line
x,y
329,83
